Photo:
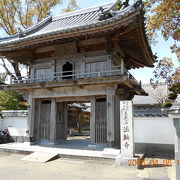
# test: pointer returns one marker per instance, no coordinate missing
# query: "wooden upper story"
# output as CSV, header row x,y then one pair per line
x,y
72,61
92,43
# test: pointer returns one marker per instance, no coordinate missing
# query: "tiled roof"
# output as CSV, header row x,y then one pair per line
x,y
149,112
14,113
70,22
153,94
77,105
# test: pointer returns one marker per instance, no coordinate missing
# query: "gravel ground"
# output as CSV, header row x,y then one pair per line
x,y
13,168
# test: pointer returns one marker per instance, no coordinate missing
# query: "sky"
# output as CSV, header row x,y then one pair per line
x,y
162,48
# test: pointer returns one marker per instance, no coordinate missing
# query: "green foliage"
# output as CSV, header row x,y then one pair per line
x,y
167,104
3,77
174,91
118,6
172,96
175,88
11,100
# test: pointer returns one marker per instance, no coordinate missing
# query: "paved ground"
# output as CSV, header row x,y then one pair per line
x,y
13,168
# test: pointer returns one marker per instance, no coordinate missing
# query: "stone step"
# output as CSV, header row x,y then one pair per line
x,y
21,148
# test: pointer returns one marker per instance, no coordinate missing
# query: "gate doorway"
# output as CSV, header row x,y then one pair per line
x,y
78,121
71,123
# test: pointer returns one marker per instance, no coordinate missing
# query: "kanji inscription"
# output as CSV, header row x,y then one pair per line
x,y
127,139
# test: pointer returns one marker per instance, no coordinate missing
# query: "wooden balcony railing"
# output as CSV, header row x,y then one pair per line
x,y
70,75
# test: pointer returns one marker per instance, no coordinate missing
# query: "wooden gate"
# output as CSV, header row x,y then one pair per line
x,y
101,121
44,121
61,125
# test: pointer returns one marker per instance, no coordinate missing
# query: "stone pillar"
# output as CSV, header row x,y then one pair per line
x,y
31,116
92,120
117,120
127,129
111,115
176,122
174,113
53,121
127,137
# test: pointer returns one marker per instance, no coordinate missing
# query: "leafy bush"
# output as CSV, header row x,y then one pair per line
x,y
167,104
172,96
11,100
175,88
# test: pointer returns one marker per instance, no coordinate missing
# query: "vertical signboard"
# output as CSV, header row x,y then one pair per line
x,y
127,129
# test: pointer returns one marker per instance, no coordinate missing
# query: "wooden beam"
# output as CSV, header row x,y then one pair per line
x,y
128,84
120,51
92,41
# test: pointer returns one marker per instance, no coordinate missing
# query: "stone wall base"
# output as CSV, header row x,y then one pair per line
x,y
20,139
155,149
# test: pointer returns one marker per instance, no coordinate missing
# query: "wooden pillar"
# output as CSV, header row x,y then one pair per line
x,y
122,66
92,120
110,114
117,120
53,121
38,119
30,119
65,120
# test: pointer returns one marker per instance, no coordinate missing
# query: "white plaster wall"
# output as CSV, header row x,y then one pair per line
x,y
1,124
17,126
146,130
154,130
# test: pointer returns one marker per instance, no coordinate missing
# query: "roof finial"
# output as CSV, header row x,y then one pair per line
x,y
126,3
20,32
49,13
103,14
138,3
101,9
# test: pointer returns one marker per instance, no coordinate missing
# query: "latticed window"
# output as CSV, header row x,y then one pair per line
x,y
95,69
44,74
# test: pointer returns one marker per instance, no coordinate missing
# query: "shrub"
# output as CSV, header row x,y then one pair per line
x,y
167,104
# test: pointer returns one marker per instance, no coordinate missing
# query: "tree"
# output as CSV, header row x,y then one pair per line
x,y
174,91
71,6
162,72
163,16
21,14
11,100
